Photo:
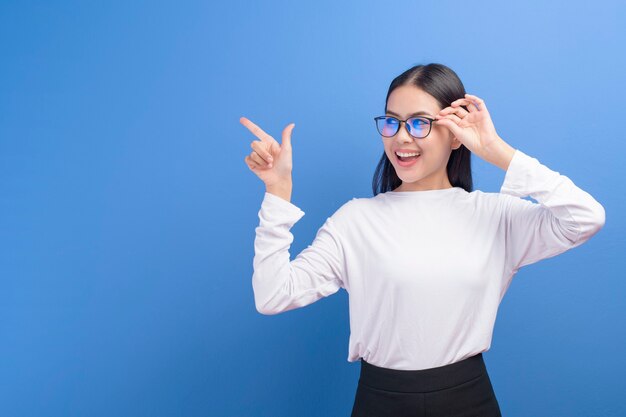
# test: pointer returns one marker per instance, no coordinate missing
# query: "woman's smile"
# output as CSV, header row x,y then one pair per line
x,y
407,161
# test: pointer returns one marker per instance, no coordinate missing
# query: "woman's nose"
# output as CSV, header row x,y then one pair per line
x,y
403,135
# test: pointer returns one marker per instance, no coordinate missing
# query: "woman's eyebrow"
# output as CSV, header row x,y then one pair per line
x,y
417,113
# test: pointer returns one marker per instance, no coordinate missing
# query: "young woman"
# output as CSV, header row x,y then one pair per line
x,y
427,260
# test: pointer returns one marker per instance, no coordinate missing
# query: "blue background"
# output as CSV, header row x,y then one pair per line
x,y
127,211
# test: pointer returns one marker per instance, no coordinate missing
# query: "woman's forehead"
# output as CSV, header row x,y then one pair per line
x,y
407,100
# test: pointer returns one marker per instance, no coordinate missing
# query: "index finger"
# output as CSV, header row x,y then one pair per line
x,y
258,132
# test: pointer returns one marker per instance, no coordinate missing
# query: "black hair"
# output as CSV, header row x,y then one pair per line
x,y
445,86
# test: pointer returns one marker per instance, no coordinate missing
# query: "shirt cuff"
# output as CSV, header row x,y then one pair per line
x,y
523,174
276,207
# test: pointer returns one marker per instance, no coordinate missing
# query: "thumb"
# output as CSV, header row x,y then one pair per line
x,y
287,136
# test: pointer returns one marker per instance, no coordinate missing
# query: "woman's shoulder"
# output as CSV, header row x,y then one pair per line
x,y
498,203
349,211
493,197
350,206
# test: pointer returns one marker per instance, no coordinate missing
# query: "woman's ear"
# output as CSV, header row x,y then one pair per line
x,y
456,144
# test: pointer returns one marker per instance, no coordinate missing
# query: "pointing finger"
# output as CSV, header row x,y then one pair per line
x,y
257,131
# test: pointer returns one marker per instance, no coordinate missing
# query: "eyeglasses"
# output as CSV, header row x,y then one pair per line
x,y
418,127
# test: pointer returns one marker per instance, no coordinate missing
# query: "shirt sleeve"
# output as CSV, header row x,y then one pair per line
x,y
564,218
280,284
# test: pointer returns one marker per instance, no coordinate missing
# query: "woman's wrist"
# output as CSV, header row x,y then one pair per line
x,y
499,154
282,190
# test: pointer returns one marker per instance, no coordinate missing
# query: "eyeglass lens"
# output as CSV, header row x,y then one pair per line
x,y
418,127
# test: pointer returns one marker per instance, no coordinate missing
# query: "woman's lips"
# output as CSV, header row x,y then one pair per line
x,y
407,163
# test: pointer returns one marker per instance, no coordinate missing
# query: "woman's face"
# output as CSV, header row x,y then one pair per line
x,y
428,172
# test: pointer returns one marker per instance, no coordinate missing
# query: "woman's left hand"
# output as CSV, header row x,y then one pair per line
x,y
473,128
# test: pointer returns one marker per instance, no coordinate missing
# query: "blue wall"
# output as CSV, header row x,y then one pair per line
x,y
127,212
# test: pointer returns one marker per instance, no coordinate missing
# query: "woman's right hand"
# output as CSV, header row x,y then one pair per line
x,y
269,160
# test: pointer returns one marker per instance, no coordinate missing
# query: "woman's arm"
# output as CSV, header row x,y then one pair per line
x,y
280,284
565,217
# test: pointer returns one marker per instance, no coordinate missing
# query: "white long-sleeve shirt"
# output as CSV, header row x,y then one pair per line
x,y
425,271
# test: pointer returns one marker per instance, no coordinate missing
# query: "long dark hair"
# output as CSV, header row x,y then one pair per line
x,y
445,86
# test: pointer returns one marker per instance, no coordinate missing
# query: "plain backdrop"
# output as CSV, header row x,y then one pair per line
x,y
127,213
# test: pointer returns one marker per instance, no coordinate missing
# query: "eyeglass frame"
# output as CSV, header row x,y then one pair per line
x,y
430,125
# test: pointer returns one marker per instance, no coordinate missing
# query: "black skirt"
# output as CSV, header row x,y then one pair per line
x,y
459,389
